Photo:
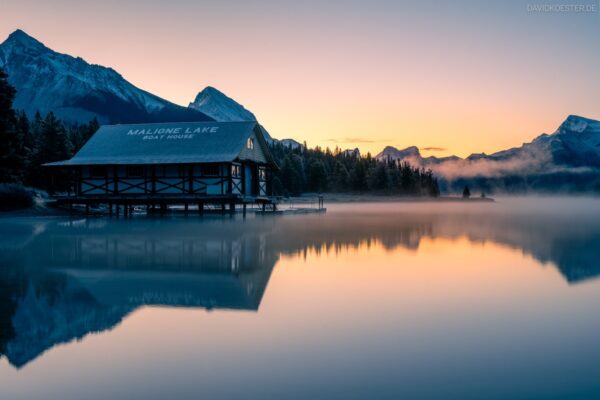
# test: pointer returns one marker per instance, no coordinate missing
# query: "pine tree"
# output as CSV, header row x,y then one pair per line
x,y
358,177
52,145
380,177
407,179
466,193
317,178
340,178
11,142
80,134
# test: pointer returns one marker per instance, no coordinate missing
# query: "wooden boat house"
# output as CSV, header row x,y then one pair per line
x,y
157,165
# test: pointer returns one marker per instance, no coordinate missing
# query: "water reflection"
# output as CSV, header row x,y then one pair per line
x,y
62,279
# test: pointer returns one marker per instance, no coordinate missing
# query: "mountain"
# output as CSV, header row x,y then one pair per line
x,y
351,152
410,154
220,107
568,159
223,108
78,91
290,143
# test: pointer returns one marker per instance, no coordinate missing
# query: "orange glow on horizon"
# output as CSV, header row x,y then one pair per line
x,y
456,77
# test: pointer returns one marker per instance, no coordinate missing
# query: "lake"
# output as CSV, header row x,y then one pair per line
x,y
368,301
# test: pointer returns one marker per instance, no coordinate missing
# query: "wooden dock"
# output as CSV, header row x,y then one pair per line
x,y
161,204
292,211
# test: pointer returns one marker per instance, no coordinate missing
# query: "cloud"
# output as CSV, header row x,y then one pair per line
x,y
434,148
353,140
524,163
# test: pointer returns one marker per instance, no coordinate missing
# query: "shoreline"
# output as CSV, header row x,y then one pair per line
x,y
47,210
370,198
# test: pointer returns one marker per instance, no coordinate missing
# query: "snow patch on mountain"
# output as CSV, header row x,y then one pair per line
x,y
76,90
351,152
217,105
573,147
223,108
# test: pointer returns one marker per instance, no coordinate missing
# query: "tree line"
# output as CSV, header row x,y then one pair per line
x,y
27,144
317,170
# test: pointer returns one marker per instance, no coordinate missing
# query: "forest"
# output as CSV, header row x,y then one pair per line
x,y
28,143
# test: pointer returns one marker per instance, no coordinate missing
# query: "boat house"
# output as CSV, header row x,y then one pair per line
x,y
157,165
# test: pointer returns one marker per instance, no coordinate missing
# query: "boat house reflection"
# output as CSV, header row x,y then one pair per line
x,y
81,277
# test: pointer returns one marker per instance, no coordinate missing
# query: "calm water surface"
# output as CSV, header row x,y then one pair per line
x,y
370,301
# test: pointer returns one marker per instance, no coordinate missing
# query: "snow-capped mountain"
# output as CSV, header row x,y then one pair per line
x,y
77,91
410,154
223,108
220,107
576,143
290,143
570,156
351,152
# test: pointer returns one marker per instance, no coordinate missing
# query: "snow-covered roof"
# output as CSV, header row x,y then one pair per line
x,y
169,143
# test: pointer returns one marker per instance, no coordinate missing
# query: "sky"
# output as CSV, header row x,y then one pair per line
x,y
455,77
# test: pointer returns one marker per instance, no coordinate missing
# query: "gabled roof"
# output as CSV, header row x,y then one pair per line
x,y
168,143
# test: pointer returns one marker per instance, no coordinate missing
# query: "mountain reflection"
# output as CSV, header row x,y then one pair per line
x,y
61,280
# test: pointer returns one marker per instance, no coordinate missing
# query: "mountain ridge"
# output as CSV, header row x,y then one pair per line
x,y
576,143
78,91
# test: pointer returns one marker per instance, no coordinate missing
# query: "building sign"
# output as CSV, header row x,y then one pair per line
x,y
171,133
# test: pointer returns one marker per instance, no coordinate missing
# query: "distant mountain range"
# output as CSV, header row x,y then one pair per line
x,y
77,91
568,159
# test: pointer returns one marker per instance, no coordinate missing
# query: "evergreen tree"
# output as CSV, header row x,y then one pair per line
x,y
52,145
380,178
407,179
11,142
24,128
32,169
80,134
358,177
466,193
317,179
291,176
341,177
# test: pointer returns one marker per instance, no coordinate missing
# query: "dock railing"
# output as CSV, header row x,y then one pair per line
x,y
316,202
